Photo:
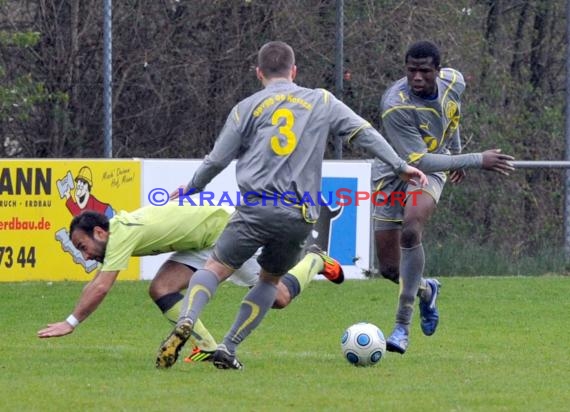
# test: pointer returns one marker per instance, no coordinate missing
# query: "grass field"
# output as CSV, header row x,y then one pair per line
x,y
503,345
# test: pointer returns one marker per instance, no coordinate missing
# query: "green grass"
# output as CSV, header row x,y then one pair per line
x,y
503,345
468,258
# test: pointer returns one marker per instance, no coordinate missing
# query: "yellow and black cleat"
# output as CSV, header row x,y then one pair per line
x,y
169,349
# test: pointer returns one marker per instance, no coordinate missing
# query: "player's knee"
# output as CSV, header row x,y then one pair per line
x,y
411,235
154,292
158,289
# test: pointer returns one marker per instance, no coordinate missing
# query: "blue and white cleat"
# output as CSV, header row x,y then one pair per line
x,y
398,340
429,315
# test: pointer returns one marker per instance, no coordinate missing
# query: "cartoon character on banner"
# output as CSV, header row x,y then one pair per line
x,y
82,200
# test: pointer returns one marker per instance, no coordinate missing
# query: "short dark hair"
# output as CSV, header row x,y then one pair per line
x,y
87,220
423,49
275,59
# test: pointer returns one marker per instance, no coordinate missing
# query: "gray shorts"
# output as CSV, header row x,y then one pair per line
x,y
246,275
395,193
280,232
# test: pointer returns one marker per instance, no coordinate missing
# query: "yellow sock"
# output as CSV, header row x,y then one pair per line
x,y
200,337
307,268
204,339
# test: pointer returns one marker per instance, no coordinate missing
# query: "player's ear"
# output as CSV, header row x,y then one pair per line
x,y
99,233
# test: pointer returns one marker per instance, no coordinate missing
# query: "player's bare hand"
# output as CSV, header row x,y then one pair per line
x,y
498,162
54,330
414,176
176,194
457,176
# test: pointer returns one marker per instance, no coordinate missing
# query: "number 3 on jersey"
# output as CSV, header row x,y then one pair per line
x,y
285,130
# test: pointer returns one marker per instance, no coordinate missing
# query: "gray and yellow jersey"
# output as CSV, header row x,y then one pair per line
x,y
279,137
415,126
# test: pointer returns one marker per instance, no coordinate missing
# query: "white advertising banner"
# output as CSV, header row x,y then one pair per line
x,y
343,228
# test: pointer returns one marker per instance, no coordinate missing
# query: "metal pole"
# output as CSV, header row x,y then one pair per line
x,y
567,132
107,79
339,65
541,164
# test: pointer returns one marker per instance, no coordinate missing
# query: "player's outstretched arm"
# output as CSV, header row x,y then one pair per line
x,y
494,160
92,295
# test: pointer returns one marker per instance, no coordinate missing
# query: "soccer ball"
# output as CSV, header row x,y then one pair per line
x,y
363,344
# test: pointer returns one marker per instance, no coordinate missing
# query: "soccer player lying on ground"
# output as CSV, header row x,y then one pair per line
x,y
191,232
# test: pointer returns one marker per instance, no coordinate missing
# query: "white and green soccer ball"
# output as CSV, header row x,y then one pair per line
x,y
363,344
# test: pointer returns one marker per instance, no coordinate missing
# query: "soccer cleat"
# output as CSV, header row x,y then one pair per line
x,y
398,340
429,315
199,355
223,359
332,269
169,349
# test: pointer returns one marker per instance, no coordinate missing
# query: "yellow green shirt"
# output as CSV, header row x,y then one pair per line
x,y
152,230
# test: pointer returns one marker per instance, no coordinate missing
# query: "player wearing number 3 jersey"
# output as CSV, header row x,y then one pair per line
x,y
279,136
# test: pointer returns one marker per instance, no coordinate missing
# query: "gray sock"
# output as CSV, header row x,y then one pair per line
x,y
201,288
412,262
253,309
